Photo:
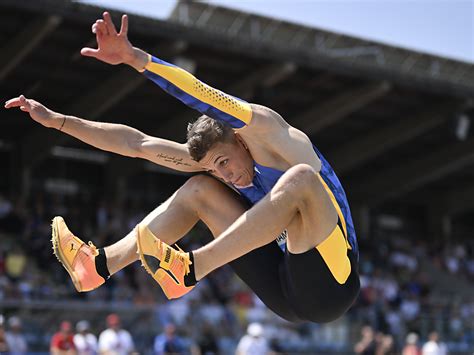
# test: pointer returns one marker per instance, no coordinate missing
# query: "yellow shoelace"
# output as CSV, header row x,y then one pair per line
x,y
93,247
181,254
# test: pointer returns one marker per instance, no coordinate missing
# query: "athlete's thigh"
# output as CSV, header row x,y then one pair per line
x,y
261,269
330,288
201,197
315,219
218,206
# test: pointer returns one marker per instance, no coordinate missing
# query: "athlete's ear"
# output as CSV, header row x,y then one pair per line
x,y
241,140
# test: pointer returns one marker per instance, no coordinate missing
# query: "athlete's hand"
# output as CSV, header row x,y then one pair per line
x,y
37,111
113,48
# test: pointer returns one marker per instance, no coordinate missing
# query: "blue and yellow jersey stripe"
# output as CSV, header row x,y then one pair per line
x,y
198,95
338,195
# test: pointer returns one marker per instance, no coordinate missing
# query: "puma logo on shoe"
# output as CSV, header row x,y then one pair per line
x,y
72,247
168,266
168,255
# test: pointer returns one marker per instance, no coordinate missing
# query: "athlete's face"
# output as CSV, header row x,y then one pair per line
x,y
230,162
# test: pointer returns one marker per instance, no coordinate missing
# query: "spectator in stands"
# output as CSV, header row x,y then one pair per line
x,y
253,343
62,342
5,206
15,263
434,346
114,340
84,340
384,344
15,338
168,342
12,219
366,345
411,345
3,339
207,341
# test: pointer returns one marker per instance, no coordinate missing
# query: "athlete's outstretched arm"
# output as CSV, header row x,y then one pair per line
x,y
115,48
116,138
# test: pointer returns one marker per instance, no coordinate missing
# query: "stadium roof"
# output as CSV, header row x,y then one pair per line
x,y
394,123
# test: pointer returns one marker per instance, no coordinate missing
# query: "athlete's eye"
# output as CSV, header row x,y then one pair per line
x,y
224,162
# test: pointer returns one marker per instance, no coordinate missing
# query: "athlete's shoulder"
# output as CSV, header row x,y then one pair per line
x,y
264,121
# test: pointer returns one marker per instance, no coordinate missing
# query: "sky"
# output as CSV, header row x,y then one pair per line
x,y
440,27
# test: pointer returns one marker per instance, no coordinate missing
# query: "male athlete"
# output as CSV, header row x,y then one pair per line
x,y
288,232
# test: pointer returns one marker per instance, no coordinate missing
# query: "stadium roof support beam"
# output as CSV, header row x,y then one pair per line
x,y
106,95
312,47
279,74
329,113
25,42
114,89
267,76
457,200
381,140
89,106
267,37
402,179
92,105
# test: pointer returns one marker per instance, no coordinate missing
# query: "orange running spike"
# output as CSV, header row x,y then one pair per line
x,y
77,257
165,264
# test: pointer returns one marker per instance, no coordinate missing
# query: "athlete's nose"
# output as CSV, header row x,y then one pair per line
x,y
228,177
226,174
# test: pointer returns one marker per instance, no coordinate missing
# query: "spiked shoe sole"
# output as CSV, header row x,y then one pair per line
x,y
59,255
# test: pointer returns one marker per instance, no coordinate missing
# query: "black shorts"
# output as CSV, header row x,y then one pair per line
x,y
307,286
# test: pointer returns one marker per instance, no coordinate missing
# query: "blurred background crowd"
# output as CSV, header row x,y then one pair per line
x,y
410,289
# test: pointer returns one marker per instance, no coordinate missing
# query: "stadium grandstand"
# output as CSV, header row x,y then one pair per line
x,y
394,123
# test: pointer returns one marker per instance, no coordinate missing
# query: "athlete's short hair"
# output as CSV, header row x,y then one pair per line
x,y
204,133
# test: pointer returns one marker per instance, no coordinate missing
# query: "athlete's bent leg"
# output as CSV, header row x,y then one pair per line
x,y
298,202
317,243
218,207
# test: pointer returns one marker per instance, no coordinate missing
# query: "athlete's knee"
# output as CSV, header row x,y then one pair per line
x,y
298,179
200,190
199,185
301,174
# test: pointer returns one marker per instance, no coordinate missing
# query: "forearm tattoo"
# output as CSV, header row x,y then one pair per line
x,y
170,159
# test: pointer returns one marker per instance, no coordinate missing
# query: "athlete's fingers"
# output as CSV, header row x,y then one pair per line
x,y
124,26
110,25
102,26
99,35
25,103
89,52
94,27
15,102
20,101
